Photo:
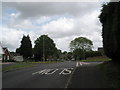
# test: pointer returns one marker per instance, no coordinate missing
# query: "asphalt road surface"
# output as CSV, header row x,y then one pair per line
x,y
68,74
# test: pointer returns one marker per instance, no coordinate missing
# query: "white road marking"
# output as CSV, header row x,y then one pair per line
x,y
80,63
85,63
39,72
77,64
51,71
65,71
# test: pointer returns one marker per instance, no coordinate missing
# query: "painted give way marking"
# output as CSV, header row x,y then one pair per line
x,y
81,63
61,71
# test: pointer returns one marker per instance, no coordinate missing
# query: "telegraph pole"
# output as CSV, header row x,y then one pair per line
x,y
43,49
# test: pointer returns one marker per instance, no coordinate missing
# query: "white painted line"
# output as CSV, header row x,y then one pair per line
x,y
53,71
80,63
69,78
85,63
66,71
40,72
77,64
43,71
61,72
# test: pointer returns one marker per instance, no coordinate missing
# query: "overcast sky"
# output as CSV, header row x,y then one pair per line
x,y
61,21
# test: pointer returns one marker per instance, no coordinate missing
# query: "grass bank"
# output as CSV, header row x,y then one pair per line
x,y
111,73
97,59
19,65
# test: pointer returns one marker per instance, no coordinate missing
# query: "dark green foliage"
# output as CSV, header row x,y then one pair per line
x,y
78,54
25,48
44,48
18,50
79,46
93,54
69,55
110,19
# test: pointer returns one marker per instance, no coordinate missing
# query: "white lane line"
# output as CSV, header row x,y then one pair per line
x,y
69,78
80,63
77,64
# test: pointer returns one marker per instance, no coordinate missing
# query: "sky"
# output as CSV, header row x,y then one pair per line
x,y
61,21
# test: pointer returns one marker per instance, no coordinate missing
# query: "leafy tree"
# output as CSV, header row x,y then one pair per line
x,y
25,48
18,50
79,46
69,55
58,54
78,54
110,19
44,48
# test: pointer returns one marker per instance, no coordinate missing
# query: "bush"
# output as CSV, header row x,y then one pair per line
x,y
93,54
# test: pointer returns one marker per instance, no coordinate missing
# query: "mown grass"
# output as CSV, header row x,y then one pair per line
x,y
111,73
44,62
96,60
19,65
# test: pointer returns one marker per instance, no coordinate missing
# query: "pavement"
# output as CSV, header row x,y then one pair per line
x,y
68,74
88,76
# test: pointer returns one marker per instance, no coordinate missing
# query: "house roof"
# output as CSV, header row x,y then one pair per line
x,y
6,51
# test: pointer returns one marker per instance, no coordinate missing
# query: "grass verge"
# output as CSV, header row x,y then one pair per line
x,y
17,66
97,60
111,73
44,62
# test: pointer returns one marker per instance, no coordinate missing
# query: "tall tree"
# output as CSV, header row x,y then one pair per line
x,y
110,19
26,47
79,46
44,48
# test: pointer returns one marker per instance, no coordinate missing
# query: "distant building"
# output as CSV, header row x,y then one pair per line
x,y
6,55
1,53
16,56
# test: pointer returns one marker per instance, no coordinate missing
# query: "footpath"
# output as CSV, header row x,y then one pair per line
x,y
88,76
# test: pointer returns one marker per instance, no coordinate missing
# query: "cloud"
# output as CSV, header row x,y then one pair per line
x,y
11,37
62,22
35,9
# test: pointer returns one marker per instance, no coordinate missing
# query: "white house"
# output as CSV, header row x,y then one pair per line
x,y
1,53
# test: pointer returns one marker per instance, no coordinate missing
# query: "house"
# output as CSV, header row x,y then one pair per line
x,y
16,56
1,53
6,55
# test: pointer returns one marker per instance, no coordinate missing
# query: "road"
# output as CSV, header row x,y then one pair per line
x,y
68,74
